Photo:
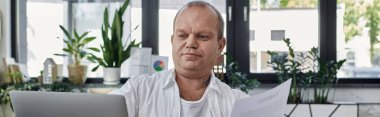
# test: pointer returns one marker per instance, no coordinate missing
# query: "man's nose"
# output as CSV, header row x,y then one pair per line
x,y
191,43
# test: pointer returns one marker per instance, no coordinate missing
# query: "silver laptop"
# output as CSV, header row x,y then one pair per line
x,y
57,104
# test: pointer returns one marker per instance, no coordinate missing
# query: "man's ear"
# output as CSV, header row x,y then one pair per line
x,y
171,40
221,44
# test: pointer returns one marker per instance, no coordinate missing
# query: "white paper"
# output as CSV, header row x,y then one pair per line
x,y
271,103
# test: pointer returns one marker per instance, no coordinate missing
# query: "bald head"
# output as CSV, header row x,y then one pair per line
x,y
204,5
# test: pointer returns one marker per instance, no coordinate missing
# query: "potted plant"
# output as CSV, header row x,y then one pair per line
x,y
115,51
323,76
76,48
289,65
305,70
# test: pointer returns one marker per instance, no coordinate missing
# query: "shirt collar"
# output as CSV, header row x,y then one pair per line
x,y
170,81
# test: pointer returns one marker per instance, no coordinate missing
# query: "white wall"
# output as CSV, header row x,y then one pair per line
x,y
6,27
301,26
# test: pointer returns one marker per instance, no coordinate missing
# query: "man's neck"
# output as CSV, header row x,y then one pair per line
x,y
192,88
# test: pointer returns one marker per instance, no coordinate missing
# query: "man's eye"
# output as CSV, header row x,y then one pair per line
x,y
203,37
182,35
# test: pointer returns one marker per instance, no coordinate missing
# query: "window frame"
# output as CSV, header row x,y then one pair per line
x,y
237,30
238,34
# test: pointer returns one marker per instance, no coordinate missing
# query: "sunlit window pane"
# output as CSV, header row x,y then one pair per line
x,y
43,19
272,20
358,38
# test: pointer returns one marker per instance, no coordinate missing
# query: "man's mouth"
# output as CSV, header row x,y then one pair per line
x,y
192,54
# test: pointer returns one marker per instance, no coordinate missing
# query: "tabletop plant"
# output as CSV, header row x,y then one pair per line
x,y
76,48
115,50
76,45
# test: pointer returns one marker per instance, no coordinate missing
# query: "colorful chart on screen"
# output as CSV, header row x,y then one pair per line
x,y
159,65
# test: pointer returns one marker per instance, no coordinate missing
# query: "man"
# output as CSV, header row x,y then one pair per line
x,y
190,89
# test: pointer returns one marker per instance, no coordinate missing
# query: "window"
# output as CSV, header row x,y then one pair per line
x,y
296,19
269,22
88,16
277,35
45,38
357,38
42,35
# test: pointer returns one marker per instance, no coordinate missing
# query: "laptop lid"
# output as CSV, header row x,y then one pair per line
x,y
59,104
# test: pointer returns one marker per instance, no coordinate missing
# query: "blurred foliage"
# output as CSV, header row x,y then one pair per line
x,y
33,85
304,70
236,78
289,66
358,11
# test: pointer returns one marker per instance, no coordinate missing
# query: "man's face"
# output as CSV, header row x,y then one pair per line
x,y
195,42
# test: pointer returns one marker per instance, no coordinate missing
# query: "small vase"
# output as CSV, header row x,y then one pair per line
x,y
111,76
77,74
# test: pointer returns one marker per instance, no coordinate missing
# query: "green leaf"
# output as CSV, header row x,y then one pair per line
x,y
105,35
60,54
123,8
117,26
76,35
87,40
70,48
94,49
95,68
84,35
105,19
82,54
67,50
65,32
67,42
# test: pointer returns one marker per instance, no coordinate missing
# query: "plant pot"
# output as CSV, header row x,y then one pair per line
x,y
77,74
111,76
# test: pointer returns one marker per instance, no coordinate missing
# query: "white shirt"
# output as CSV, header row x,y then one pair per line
x,y
199,108
158,96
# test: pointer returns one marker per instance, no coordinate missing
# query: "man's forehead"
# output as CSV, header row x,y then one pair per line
x,y
197,9
196,16
189,30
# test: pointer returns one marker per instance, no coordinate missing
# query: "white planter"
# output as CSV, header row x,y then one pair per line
x,y
111,76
